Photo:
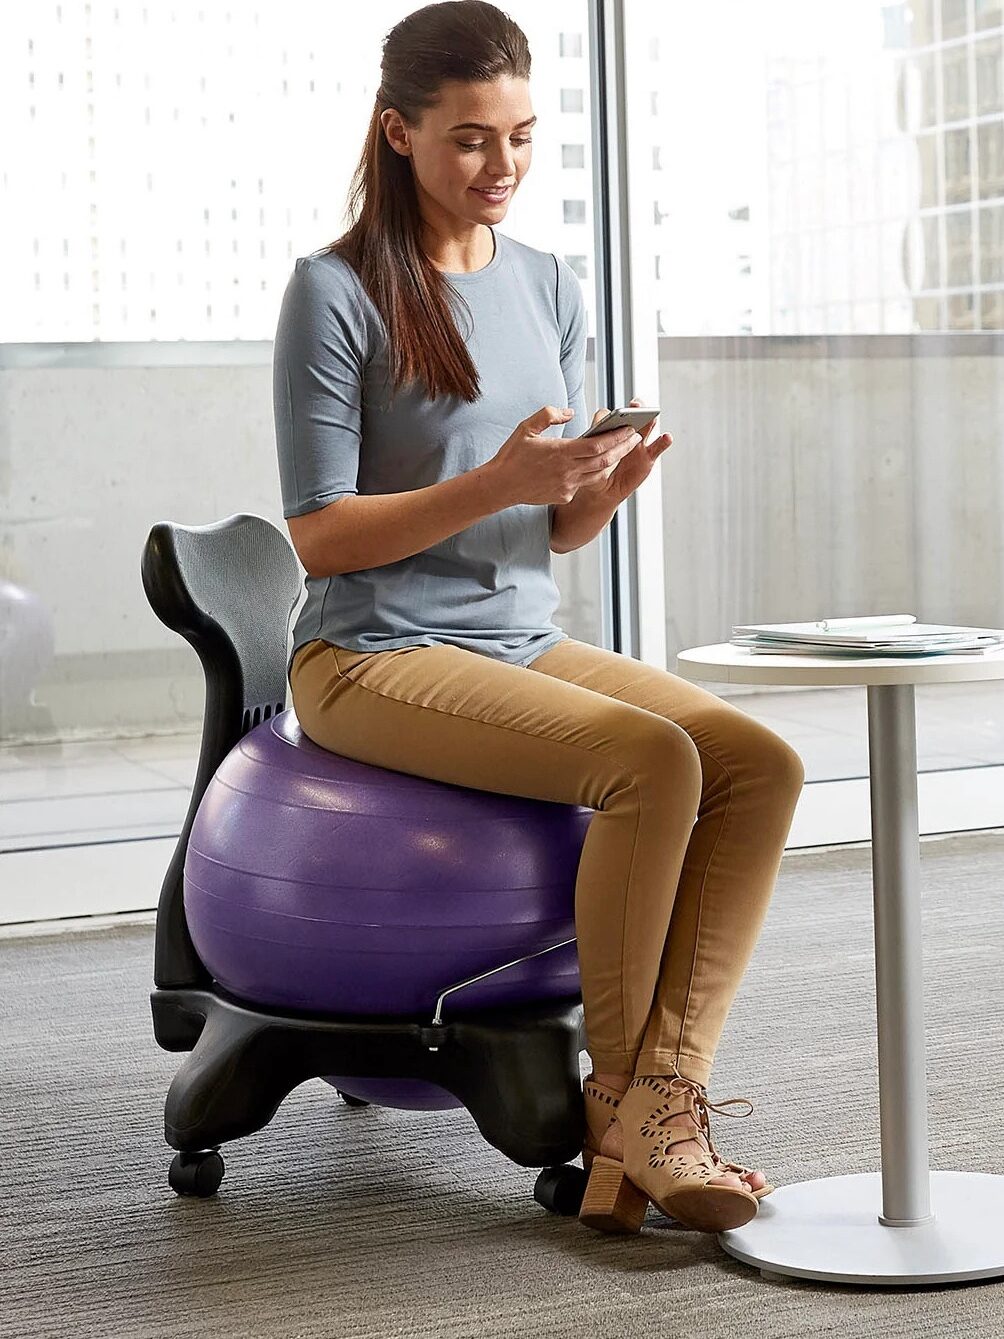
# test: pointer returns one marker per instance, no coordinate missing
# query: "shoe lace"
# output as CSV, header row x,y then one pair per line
x,y
702,1105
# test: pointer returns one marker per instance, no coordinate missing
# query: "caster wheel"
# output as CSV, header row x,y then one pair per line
x,y
351,1101
196,1173
560,1189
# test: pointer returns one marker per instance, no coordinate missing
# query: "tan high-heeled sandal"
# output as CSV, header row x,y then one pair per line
x,y
601,1105
620,1187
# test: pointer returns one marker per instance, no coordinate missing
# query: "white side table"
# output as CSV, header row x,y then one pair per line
x,y
905,1224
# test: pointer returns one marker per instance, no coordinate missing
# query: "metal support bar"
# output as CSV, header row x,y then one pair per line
x,y
437,1016
899,980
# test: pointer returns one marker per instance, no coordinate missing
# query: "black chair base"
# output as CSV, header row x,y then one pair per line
x,y
516,1070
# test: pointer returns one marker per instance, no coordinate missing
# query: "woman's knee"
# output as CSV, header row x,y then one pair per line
x,y
776,759
663,753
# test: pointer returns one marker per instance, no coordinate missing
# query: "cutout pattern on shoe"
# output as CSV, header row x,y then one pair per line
x,y
683,1165
601,1104
698,1105
678,1183
702,1106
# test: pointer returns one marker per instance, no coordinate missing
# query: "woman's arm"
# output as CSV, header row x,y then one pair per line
x,y
373,529
577,522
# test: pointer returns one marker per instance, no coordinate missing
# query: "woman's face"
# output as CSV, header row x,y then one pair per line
x,y
452,158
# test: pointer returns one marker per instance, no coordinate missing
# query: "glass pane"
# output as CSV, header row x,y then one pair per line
x,y
163,169
824,284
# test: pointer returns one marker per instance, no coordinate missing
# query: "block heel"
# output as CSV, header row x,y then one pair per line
x,y
612,1203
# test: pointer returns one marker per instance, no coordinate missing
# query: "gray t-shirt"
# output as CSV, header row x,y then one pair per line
x,y
488,588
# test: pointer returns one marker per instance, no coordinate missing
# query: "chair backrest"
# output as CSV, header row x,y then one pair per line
x,y
229,589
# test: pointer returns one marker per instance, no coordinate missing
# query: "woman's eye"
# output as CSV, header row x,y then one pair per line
x,y
480,144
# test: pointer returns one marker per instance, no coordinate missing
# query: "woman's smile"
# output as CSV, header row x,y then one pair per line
x,y
494,197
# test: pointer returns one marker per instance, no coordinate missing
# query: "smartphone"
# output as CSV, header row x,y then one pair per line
x,y
633,416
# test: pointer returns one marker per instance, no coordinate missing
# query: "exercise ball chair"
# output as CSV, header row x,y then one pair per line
x,y
408,941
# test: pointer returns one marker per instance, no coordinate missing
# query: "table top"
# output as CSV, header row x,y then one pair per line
x,y
725,663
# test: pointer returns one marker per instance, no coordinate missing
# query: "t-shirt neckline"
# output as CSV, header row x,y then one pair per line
x,y
466,276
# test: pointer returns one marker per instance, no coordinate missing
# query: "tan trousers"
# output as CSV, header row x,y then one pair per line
x,y
694,801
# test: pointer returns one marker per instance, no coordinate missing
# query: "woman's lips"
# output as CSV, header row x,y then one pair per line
x,y
493,197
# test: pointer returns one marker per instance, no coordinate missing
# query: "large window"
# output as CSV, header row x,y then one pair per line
x,y
817,229
822,196
163,166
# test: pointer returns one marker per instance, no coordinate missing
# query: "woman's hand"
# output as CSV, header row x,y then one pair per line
x,y
632,469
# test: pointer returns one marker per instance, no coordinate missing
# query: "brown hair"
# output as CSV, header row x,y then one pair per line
x,y
464,40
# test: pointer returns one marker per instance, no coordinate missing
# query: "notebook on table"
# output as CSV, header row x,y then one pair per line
x,y
870,634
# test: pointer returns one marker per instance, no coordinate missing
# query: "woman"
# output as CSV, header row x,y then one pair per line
x,y
426,643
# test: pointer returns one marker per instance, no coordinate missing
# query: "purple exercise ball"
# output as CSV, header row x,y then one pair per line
x,y
317,883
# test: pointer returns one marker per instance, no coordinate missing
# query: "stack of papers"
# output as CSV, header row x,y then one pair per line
x,y
870,635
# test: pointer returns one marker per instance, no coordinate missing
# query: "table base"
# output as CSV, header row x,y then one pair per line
x,y
829,1229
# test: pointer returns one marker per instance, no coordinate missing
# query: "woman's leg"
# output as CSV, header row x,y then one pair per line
x,y
455,716
750,782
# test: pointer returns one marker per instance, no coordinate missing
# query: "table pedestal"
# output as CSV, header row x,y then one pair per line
x,y
832,1229
905,1224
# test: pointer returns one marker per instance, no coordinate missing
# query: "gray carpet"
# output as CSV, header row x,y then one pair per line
x,y
369,1223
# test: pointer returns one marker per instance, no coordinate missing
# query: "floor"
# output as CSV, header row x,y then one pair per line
x,y
89,827
380,1223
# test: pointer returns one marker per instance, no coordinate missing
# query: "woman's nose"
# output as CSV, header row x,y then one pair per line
x,y
503,168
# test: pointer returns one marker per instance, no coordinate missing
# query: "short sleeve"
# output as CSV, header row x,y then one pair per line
x,y
318,363
572,320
